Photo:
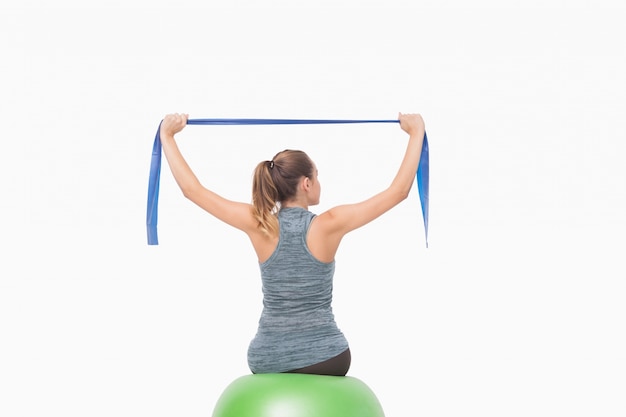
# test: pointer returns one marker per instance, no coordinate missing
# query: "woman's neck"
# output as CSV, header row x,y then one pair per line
x,y
295,203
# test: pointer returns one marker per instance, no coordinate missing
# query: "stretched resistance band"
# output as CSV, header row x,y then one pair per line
x,y
155,165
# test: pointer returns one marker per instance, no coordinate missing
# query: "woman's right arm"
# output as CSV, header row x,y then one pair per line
x,y
338,221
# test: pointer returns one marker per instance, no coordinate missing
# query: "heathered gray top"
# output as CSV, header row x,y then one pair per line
x,y
297,327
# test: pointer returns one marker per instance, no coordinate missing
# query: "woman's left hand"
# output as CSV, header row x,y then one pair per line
x,y
173,123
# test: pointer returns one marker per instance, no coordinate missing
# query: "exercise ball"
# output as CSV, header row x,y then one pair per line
x,y
297,395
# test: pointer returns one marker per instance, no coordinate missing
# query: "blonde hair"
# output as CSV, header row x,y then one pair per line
x,y
275,182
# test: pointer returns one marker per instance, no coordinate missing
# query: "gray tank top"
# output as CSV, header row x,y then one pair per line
x,y
297,327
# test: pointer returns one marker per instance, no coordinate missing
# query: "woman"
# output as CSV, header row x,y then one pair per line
x,y
295,248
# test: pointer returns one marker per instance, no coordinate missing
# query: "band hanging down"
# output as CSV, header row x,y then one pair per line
x,y
422,174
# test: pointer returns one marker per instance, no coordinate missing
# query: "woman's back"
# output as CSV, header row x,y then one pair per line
x,y
297,327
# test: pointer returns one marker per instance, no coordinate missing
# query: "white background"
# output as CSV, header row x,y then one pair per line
x,y
516,309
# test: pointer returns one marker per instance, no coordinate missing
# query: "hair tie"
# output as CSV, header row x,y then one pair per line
x,y
271,164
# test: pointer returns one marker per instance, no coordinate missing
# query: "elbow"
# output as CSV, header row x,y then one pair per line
x,y
403,195
189,191
399,189
399,194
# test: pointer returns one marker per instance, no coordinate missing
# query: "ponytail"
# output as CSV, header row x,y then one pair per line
x,y
274,182
265,198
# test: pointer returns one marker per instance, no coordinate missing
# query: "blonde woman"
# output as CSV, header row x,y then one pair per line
x,y
296,249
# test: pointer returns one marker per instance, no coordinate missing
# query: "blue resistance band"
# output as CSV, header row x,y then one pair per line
x,y
155,164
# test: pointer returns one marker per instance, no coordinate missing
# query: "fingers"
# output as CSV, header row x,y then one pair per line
x,y
410,122
177,118
173,123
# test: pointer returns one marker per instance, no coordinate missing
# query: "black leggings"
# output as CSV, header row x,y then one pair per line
x,y
337,366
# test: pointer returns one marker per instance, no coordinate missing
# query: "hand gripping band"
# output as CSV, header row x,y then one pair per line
x,y
155,164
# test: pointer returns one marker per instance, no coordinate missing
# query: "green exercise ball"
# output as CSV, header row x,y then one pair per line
x,y
297,395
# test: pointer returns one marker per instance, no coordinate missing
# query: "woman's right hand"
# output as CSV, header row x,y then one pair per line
x,y
411,123
173,123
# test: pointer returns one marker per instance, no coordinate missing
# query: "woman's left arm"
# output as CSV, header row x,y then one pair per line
x,y
236,214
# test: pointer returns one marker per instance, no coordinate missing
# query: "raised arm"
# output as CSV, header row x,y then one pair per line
x,y
336,222
236,214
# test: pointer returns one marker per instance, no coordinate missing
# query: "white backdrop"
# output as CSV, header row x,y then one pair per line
x,y
516,309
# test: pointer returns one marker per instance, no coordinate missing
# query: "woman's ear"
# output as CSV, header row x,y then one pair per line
x,y
306,183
